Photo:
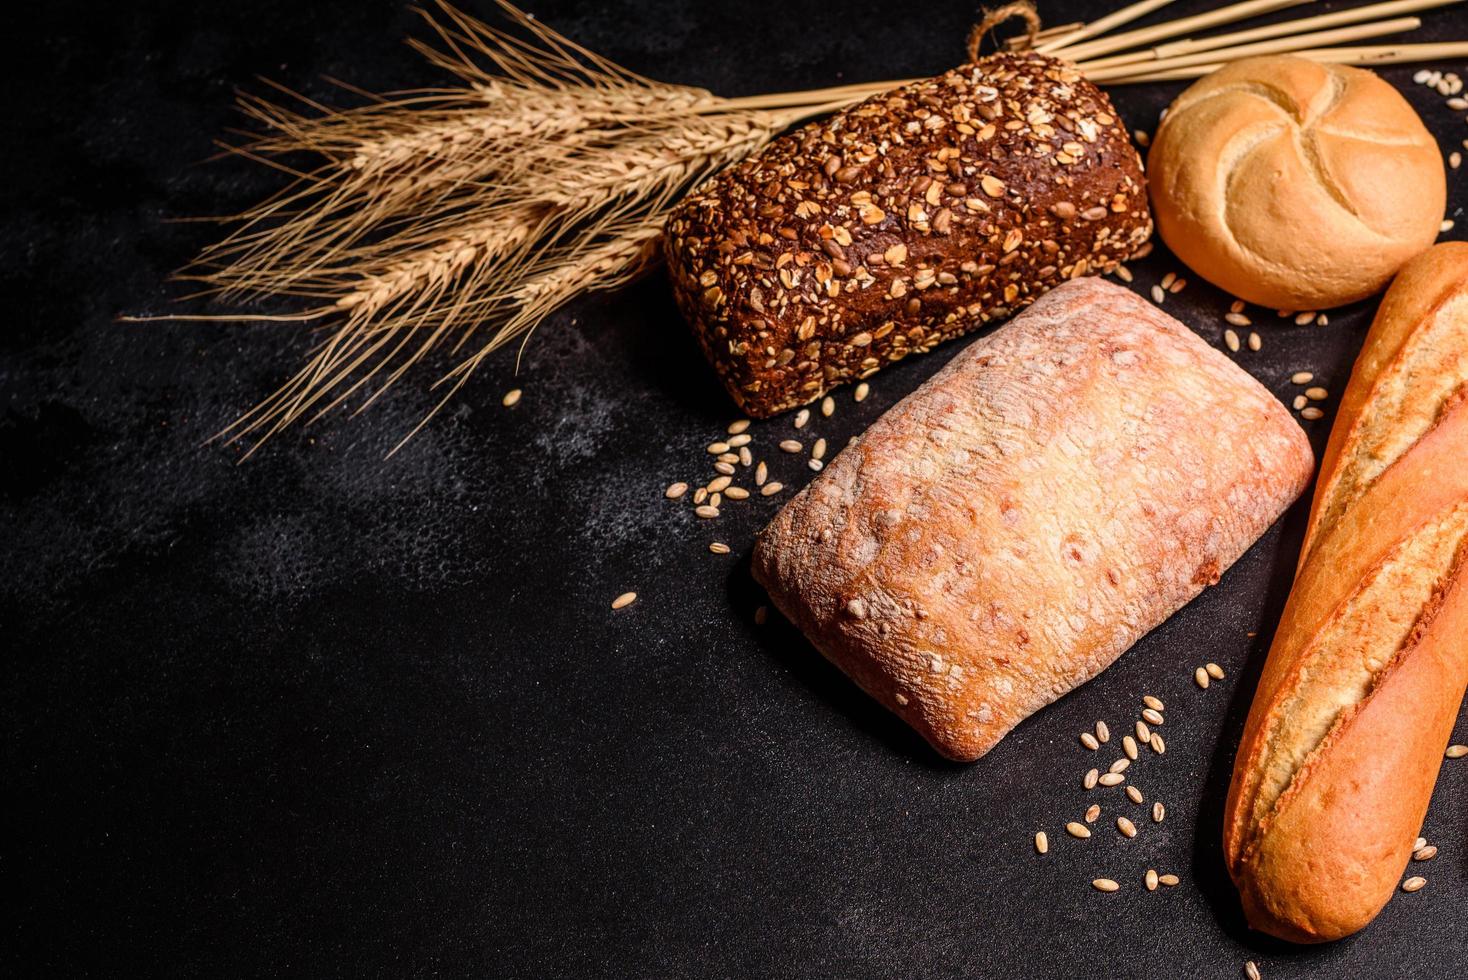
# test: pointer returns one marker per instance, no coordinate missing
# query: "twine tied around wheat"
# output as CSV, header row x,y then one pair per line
x,y
1023,9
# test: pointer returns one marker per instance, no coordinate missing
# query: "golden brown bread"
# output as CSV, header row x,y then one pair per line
x,y
1293,184
918,215
1008,530
1368,667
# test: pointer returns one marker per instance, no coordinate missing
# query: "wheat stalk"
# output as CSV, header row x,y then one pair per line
x,y
588,226
456,219
453,220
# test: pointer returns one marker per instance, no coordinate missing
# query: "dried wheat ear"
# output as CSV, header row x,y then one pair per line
x,y
454,220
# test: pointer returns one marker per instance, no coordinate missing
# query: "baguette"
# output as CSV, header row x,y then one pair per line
x,y
1008,530
1367,670
918,215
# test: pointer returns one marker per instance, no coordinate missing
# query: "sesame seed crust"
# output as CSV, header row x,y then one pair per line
x,y
914,217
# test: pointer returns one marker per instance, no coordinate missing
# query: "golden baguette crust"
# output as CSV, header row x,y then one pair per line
x,y
1431,285
1368,667
1012,527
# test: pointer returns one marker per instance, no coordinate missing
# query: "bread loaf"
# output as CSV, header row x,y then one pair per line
x,y
1004,533
1367,670
1294,184
911,218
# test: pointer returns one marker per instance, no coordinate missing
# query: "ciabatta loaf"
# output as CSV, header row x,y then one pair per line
x,y
1004,533
1367,670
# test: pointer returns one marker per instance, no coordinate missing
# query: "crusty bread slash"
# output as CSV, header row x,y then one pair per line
x,y
913,217
1293,184
1004,533
1368,667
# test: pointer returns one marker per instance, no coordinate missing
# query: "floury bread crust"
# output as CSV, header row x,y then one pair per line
x,y
1004,533
916,216
1367,671
1295,185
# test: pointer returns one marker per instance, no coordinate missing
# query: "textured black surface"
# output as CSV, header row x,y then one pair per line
x,y
325,715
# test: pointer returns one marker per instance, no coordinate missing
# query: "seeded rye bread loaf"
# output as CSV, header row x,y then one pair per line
x,y
915,216
1005,532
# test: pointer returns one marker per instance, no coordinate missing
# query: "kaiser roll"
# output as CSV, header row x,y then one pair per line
x,y
1295,185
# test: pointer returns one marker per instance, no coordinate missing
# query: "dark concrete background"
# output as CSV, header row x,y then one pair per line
x,y
324,714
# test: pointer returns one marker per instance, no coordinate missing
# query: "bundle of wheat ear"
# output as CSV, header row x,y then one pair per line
x,y
458,218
